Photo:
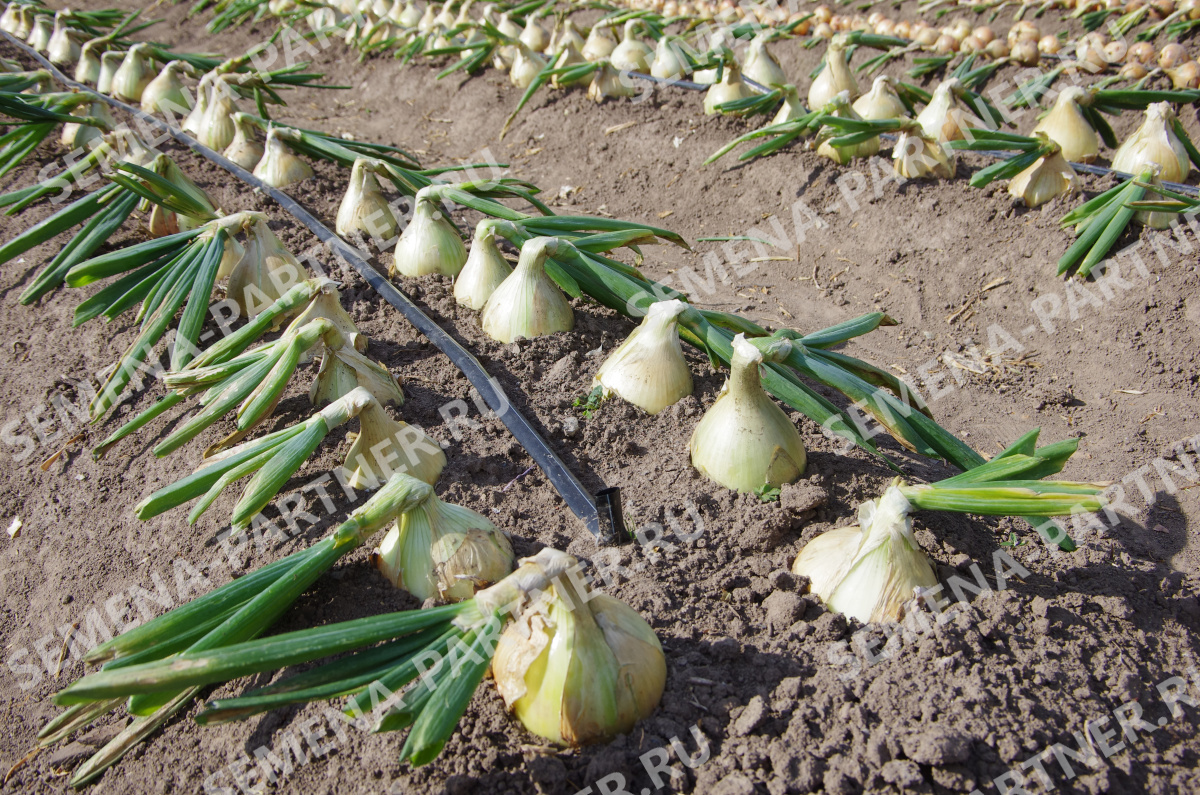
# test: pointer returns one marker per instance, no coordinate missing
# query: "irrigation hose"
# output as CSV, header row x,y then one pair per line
x,y
601,514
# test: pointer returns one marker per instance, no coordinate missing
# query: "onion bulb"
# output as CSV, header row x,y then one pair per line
x,y
607,83
731,88
364,208
761,65
648,368
485,270
245,150
195,119
442,550
429,244
1066,125
918,156
565,33
133,75
1048,178
944,118
669,63
744,440
525,66
77,136
569,55
841,107
87,70
792,107
385,446
534,36
64,46
835,78
868,572
166,92
279,166
165,222
1155,142
600,43
40,35
266,270
110,62
632,54
528,303
577,666
881,102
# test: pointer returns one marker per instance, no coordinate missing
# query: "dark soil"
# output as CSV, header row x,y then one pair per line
x,y
784,694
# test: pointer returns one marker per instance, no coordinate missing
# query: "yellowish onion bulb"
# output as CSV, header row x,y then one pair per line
x,y
669,63
343,369
444,551
648,368
87,70
792,107
1066,125
576,666
245,150
1048,178
166,92
835,78
944,118
445,17
1151,218
364,208
110,62
10,20
707,77
217,128
409,16
731,88
505,55
842,155
429,19
485,270
25,22
133,75
126,145
534,36
64,47
1185,76
600,43
761,65
429,244
607,83
565,33
195,119
279,166
1155,143
868,572
881,102
77,136
43,30
327,305
385,446
166,222
526,66
918,156
632,54
569,56
744,440
266,271
528,303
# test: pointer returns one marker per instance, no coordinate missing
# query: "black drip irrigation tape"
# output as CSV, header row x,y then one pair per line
x,y
601,514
